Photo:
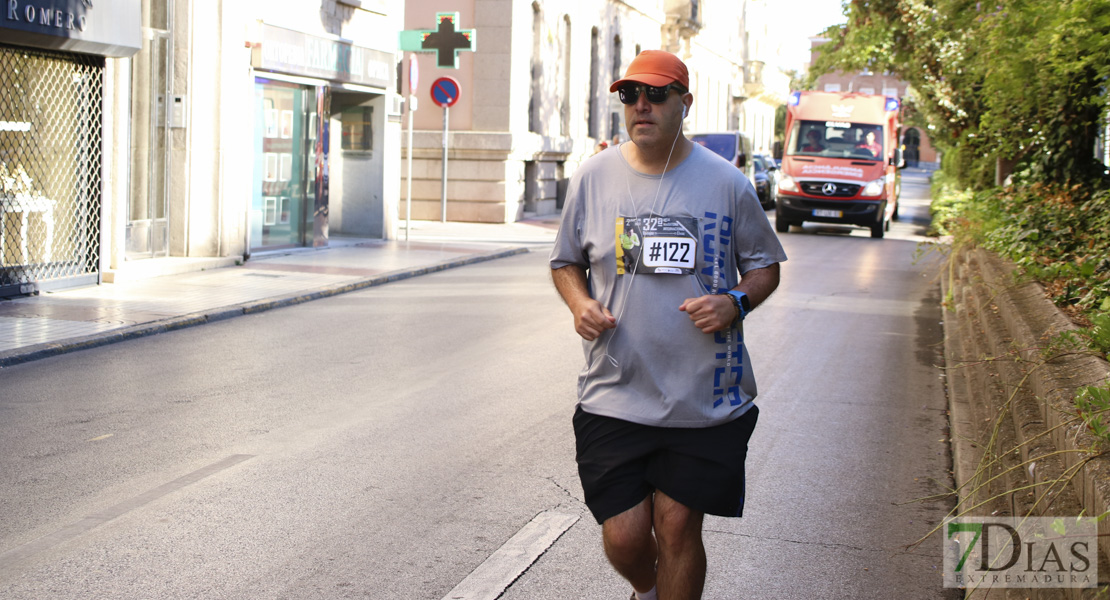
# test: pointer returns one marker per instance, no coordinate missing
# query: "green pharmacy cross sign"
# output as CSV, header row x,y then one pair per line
x,y
446,41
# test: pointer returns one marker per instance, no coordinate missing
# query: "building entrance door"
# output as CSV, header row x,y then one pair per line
x,y
148,214
912,152
282,207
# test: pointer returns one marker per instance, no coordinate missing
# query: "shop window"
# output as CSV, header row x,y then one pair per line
x,y
50,169
358,132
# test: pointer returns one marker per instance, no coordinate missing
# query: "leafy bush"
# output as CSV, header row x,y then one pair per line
x,y
1091,404
1061,237
1056,235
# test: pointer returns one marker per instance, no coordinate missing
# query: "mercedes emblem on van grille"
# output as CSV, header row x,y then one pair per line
x,y
828,189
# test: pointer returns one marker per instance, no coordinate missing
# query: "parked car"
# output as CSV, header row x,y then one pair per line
x,y
765,170
733,146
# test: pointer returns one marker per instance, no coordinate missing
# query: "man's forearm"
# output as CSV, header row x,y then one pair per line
x,y
758,284
570,281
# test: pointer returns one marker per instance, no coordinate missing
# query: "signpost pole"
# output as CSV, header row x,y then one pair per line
x,y
408,193
445,92
446,40
414,75
443,193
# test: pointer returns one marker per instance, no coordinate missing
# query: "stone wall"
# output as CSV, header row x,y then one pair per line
x,y
1008,401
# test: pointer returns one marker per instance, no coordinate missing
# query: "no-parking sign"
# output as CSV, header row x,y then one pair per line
x,y
445,92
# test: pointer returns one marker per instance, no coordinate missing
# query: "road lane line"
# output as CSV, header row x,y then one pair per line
x,y
502,568
21,553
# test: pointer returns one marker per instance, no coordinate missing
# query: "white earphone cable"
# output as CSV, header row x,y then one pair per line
x,y
636,266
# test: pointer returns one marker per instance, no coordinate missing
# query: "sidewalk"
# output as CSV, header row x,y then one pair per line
x,y
54,323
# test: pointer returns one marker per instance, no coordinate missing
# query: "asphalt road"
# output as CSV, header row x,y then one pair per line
x,y
386,443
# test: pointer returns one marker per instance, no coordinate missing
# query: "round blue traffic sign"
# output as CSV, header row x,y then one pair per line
x,y
445,91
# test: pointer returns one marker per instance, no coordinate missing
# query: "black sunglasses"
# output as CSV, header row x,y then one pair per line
x,y
630,92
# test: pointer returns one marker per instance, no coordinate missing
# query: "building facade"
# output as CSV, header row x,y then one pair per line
x,y
766,86
325,122
534,95
198,133
148,137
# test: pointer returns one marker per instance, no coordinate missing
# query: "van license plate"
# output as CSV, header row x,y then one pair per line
x,y
822,212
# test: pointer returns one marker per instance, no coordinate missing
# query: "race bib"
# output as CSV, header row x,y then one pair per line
x,y
657,245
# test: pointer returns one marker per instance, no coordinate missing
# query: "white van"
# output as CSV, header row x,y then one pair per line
x,y
733,146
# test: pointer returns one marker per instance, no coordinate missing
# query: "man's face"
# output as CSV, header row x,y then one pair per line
x,y
654,125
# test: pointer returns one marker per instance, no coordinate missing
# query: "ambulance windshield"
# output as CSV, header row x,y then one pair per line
x,y
836,139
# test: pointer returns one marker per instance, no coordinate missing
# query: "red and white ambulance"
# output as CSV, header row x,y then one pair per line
x,y
841,161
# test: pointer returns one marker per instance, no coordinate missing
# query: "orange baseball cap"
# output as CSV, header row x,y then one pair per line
x,y
655,68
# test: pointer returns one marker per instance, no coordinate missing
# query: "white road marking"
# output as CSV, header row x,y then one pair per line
x,y
502,568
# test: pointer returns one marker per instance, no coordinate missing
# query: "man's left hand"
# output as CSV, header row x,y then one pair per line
x,y
710,313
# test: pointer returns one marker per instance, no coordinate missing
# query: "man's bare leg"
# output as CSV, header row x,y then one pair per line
x,y
681,573
630,545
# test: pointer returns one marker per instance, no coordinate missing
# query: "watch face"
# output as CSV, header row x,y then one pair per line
x,y
742,300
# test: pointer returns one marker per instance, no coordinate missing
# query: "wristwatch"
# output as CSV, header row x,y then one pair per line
x,y
741,302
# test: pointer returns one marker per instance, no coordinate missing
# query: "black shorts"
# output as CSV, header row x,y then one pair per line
x,y
621,463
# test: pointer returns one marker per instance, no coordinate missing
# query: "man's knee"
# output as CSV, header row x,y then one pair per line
x,y
624,543
629,532
675,524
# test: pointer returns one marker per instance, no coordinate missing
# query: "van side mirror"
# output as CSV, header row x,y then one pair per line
x,y
898,161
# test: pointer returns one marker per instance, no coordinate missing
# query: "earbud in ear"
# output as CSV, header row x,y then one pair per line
x,y
683,111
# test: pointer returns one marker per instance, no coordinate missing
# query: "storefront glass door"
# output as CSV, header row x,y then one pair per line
x,y
281,215
148,217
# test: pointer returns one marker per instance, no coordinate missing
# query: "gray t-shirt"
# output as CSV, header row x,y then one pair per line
x,y
655,367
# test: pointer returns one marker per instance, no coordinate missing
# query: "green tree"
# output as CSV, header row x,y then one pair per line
x,y
1016,80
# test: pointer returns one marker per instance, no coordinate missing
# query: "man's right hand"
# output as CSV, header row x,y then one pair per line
x,y
591,319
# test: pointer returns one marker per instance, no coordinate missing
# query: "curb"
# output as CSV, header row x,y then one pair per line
x,y
49,349
998,384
